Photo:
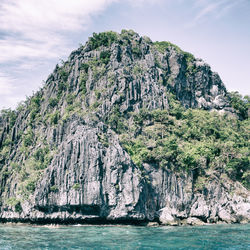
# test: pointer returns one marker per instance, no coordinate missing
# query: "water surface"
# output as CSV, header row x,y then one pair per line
x,y
125,237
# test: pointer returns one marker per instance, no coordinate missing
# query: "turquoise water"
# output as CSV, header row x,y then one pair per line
x,y
125,237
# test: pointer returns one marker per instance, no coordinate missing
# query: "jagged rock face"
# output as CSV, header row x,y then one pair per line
x,y
202,89
93,181
90,177
143,79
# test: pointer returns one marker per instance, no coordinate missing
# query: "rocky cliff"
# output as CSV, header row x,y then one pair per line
x,y
103,141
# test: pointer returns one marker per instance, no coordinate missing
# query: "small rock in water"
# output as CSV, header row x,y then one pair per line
x,y
193,221
153,224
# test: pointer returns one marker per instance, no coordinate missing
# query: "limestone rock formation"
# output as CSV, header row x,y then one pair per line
x,y
62,160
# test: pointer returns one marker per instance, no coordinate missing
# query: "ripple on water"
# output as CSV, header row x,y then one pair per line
x,y
125,237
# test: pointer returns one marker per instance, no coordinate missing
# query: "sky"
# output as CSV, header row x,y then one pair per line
x,y
36,35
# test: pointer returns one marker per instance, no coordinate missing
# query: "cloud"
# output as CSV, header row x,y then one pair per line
x,y
6,84
40,29
35,33
213,8
9,93
36,28
207,9
13,50
51,15
138,3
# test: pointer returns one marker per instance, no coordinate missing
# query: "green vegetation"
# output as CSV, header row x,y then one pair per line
x,y
94,63
31,170
84,67
82,83
62,86
70,99
184,140
42,157
20,107
136,51
105,57
189,58
162,46
14,202
111,78
98,72
103,138
97,67
63,74
76,186
28,138
115,120
30,186
34,107
54,188
98,93
128,32
126,35
94,106
9,115
137,70
71,109
157,63
240,104
53,102
54,118
102,39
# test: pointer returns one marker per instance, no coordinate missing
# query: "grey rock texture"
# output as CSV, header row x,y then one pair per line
x,y
90,177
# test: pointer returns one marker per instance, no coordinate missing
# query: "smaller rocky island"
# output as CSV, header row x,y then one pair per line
x,y
127,131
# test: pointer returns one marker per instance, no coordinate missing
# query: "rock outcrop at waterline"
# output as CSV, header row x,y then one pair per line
x,y
64,158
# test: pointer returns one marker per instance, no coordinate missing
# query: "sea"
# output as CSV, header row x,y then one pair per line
x,y
124,237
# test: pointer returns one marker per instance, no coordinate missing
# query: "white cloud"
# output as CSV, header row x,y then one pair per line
x,y
53,15
13,50
228,7
37,28
213,8
35,33
9,93
207,9
40,29
6,84
138,3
